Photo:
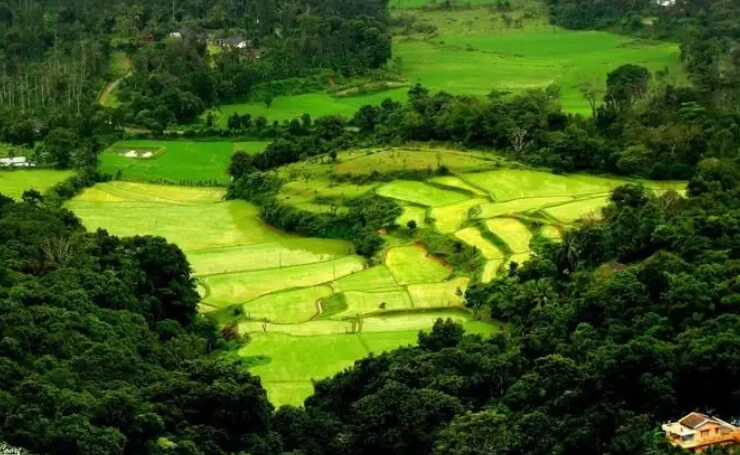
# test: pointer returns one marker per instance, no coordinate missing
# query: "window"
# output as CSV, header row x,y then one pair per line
x,y
704,433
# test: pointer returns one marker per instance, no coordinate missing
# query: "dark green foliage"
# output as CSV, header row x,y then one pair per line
x,y
254,186
102,350
359,223
625,85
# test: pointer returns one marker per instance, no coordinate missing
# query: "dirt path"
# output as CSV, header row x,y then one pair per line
x,y
107,90
319,310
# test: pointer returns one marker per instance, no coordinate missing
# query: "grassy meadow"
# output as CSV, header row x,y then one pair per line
x,y
474,50
13,182
173,162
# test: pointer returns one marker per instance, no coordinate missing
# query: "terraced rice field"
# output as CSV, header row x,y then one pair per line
x,y
411,265
310,306
420,193
568,213
449,218
512,231
14,182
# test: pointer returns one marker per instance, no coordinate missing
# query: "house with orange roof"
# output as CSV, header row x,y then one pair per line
x,y
697,432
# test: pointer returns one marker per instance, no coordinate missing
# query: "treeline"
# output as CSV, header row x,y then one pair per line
x,y
53,61
611,331
641,126
102,350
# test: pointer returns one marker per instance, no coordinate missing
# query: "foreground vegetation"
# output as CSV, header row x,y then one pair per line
x,y
584,333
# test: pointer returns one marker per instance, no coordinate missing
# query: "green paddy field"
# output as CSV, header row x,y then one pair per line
x,y
173,162
13,182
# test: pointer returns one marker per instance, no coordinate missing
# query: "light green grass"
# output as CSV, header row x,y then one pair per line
x,y
419,193
472,236
244,286
14,182
474,52
294,106
294,361
371,302
413,212
174,161
568,213
551,232
291,306
192,226
492,209
512,231
435,295
449,218
217,236
490,270
411,264
457,182
413,157
508,184
294,251
120,191
374,279
410,157
304,193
